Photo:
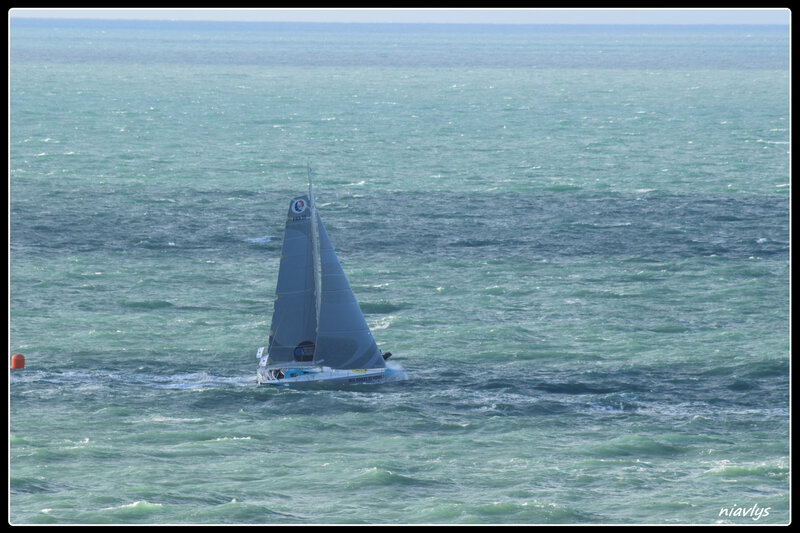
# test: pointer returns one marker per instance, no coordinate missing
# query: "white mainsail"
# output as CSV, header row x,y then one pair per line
x,y
293,332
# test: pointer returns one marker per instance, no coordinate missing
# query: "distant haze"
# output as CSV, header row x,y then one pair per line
x,y
439,16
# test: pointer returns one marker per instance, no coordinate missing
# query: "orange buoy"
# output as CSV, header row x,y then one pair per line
x,y
17,361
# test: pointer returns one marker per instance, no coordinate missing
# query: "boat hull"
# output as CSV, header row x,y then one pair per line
x,y
299,376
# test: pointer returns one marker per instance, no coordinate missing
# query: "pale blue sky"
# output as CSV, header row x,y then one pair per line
x,y
416,15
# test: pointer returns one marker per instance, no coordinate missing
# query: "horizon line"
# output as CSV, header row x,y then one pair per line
x,y
439,16
421,23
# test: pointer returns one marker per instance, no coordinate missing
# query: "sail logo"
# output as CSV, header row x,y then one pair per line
x,y
298,206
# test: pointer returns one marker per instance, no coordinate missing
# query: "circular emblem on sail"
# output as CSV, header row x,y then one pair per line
x,y
304,351
298,206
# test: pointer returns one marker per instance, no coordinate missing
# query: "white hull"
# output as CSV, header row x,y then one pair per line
x,y
316,374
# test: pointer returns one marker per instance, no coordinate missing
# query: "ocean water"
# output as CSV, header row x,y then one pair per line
x,y
574,239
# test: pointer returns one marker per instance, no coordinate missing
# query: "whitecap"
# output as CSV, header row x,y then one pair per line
x,y
265,238
141,503
170,419
383,323
398,374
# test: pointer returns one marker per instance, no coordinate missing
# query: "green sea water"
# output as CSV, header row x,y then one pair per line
x,y
575,240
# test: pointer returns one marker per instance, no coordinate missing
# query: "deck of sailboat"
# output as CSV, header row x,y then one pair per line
x,y
289,364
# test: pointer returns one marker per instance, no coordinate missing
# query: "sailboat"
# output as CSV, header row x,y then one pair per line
x,y
318,332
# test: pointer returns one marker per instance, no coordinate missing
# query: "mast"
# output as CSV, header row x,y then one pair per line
x,y
315,257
